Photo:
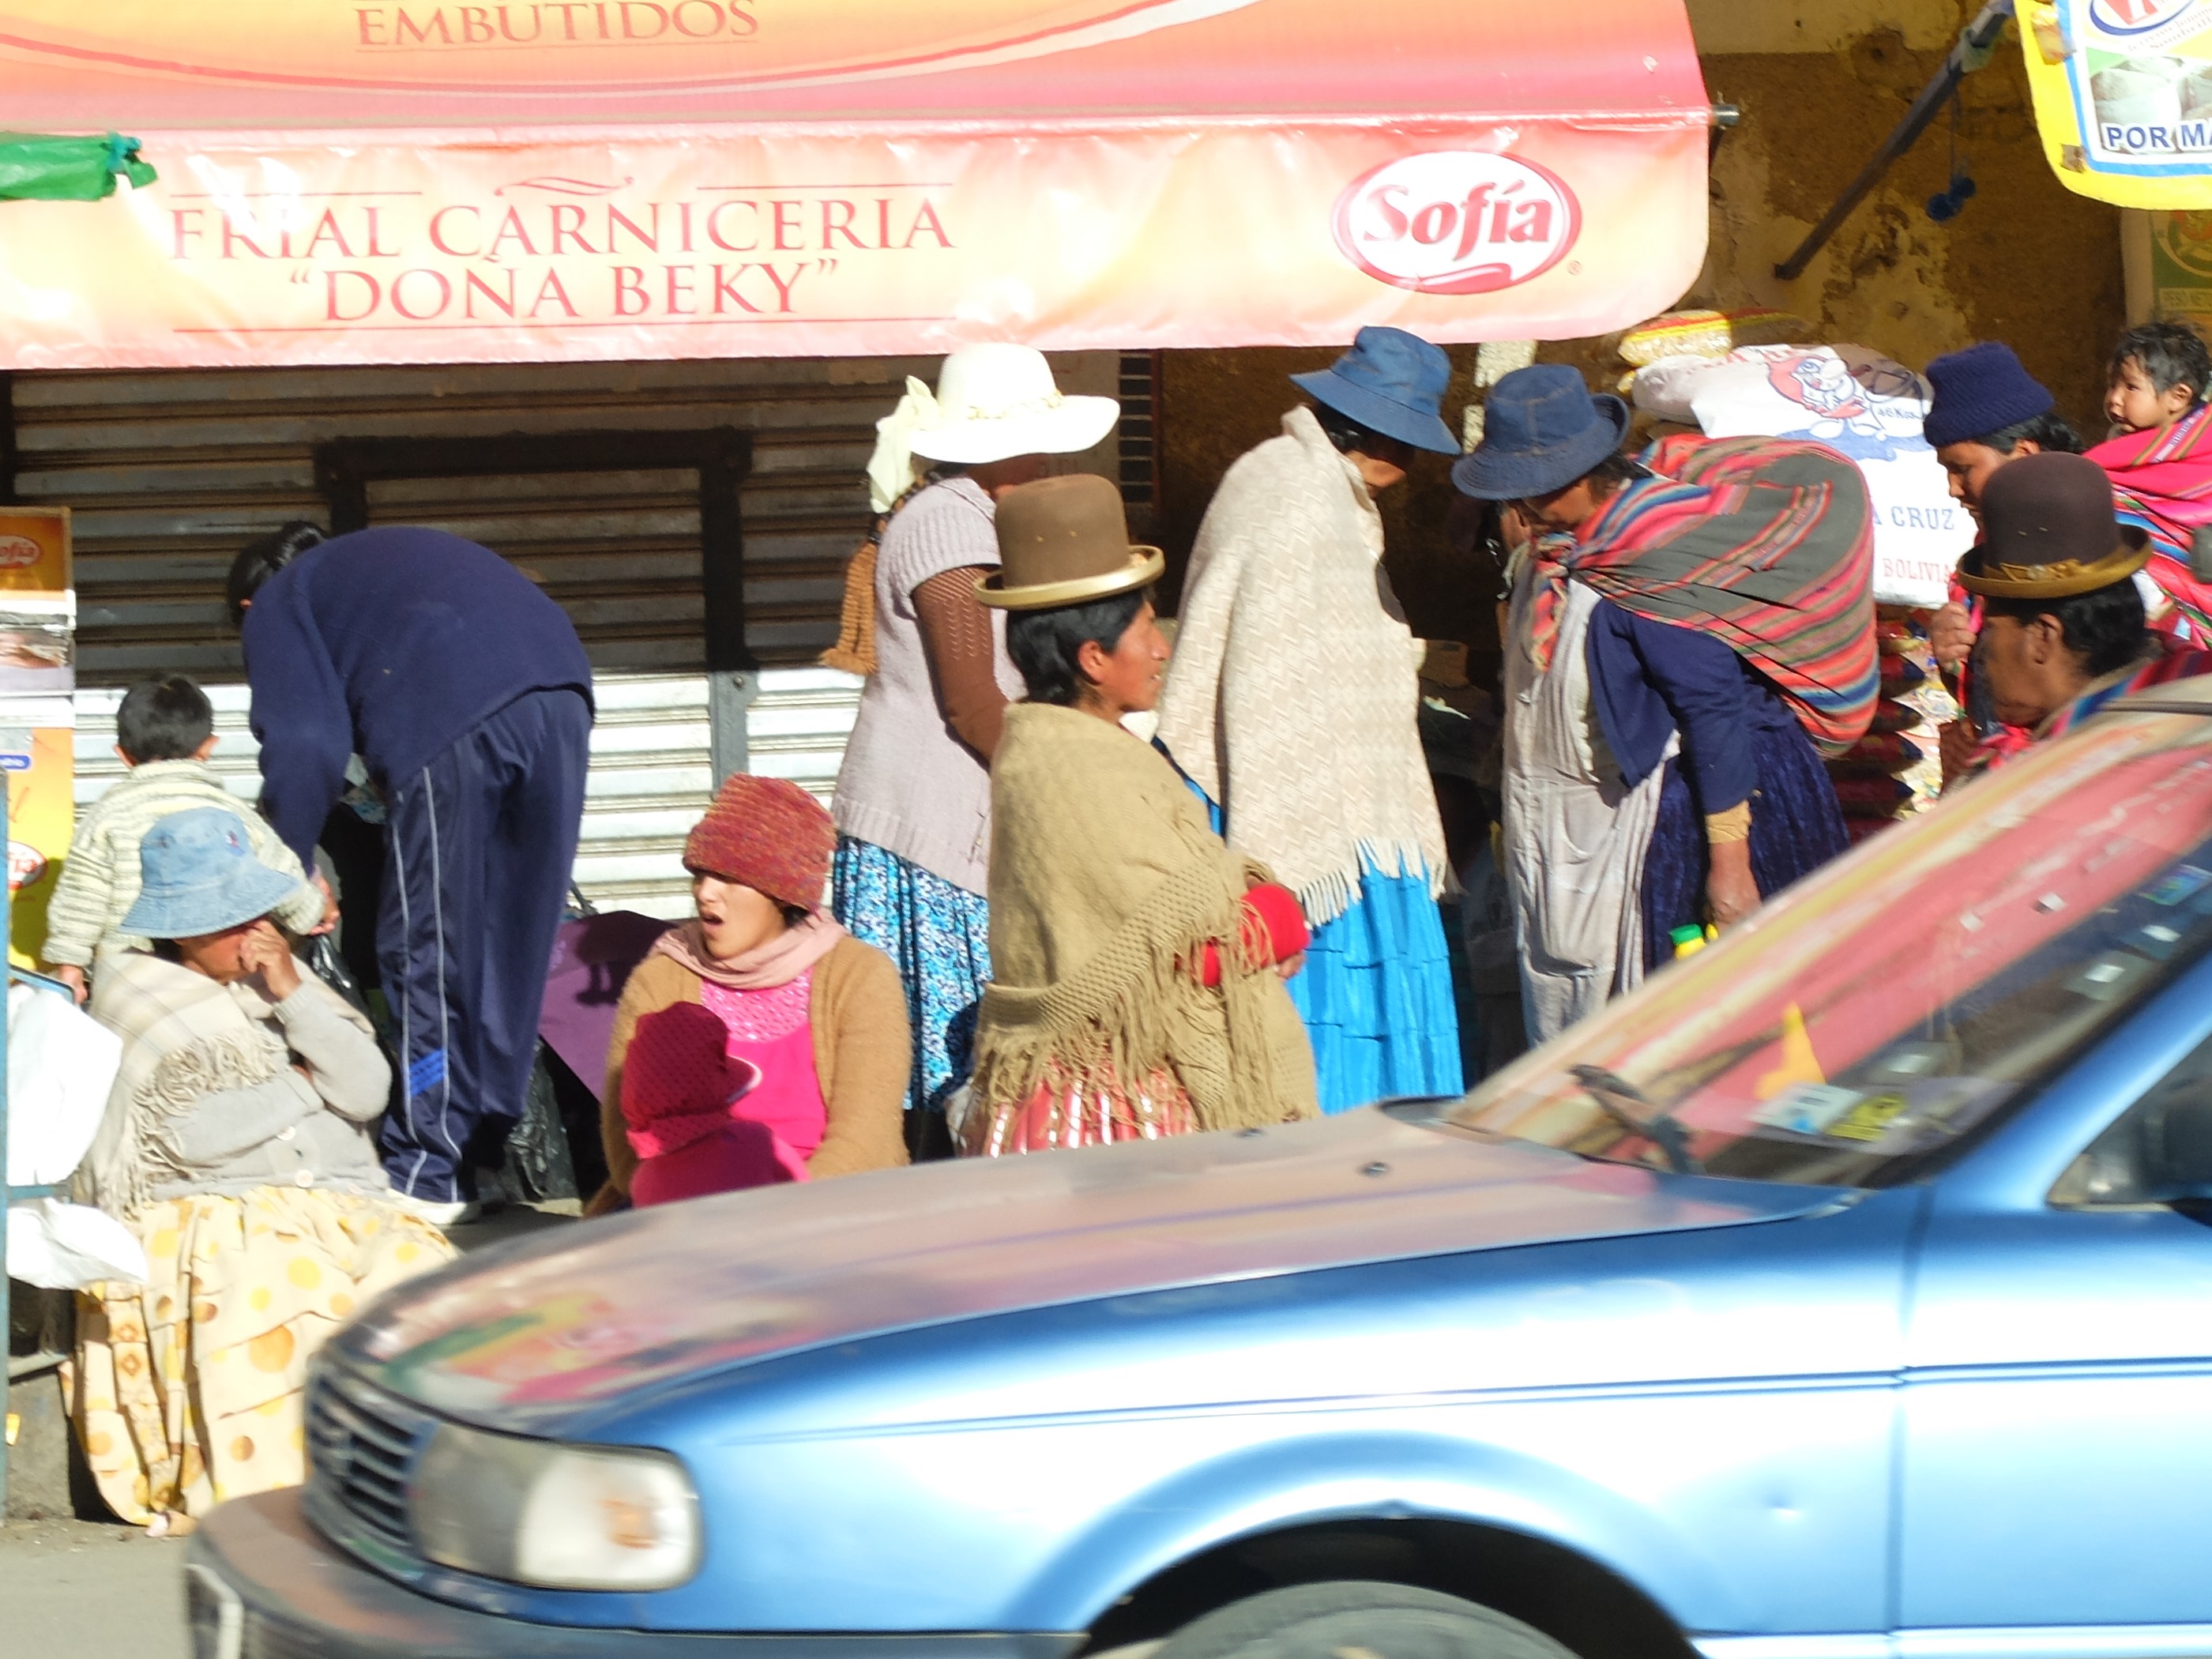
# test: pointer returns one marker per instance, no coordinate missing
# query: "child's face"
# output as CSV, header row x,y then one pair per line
x,y
2134,403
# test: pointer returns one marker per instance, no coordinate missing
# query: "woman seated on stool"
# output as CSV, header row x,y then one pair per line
x,y
759,1042
236,1145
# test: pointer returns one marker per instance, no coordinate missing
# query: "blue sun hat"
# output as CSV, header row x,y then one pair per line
x,y
1541,429
1390,382
198,875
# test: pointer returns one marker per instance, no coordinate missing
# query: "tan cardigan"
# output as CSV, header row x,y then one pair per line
x,y
862,1053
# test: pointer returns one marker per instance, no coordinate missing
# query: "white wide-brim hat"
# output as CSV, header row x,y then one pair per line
x,y
996,401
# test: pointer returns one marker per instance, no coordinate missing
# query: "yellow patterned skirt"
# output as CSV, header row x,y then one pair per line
x,y
187,1390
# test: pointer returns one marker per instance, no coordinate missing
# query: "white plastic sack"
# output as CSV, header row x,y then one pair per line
x,y
67,1247
61,1065
1858,402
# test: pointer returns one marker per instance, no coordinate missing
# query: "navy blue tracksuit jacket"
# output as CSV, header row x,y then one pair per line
x,y
467,694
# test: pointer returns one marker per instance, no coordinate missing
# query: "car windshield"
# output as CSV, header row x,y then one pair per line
x,y
1909,992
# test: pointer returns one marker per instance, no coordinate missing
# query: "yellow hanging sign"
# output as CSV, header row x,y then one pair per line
x,y
2123,92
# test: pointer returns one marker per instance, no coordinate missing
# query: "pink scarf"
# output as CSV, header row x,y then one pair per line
x,y
779,961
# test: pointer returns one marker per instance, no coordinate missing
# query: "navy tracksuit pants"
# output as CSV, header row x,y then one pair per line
x,y
482,842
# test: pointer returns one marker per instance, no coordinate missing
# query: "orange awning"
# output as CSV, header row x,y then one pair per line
x,y
622,178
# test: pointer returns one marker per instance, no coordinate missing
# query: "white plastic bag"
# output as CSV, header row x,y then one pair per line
x,y
61,1066
67,1247
1858,402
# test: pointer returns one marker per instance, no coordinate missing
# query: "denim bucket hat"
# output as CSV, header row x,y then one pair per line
x,y
1390,382
1541,430
198,875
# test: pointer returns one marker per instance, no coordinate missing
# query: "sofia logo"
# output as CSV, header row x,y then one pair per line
x,y
18,552
1457,222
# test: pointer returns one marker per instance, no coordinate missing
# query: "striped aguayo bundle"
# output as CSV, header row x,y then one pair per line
x,y
1767,544
2162,485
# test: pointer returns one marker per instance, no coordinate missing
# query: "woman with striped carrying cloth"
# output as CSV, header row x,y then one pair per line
x,y
1685,630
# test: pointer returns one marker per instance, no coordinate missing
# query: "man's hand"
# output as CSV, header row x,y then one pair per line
x,y
330,921
1955,742
1950,636
73,976
1731,891
263,951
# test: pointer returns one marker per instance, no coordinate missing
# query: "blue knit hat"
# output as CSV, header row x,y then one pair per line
x,y
1980,390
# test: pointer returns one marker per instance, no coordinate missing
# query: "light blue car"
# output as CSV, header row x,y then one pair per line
x,y
1846,1293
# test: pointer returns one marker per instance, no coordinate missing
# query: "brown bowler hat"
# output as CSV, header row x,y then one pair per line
x,y
1065,541
2049,532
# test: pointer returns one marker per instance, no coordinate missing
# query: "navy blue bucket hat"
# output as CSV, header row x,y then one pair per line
x,y
1390,382
1541,429
1981,389
198,875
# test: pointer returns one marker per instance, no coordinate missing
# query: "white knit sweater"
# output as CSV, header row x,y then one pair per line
x,y
1294,698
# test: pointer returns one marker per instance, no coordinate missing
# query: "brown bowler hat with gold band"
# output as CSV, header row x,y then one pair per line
x,y
2049,532
1065,541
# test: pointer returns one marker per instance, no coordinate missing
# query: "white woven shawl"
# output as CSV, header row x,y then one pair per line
x,y
1294,696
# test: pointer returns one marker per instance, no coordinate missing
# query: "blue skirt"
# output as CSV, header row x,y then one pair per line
x,y
1376,997
1796,828
939,936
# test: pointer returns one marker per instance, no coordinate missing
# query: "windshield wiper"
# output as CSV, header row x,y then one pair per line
x,y
1663,1129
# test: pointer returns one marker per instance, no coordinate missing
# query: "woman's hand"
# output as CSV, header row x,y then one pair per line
x,y
263,951
1291,967
73,976
1731,891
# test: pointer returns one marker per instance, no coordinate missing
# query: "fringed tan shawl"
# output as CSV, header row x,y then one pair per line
x,y
1106,882
184,1035
1295,696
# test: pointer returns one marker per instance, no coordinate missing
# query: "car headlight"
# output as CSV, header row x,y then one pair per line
x,y
565,1517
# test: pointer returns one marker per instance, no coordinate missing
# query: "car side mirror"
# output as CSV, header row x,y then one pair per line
x,y
2174,1151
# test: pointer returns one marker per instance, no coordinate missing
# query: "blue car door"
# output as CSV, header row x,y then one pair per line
x,y
2058,1391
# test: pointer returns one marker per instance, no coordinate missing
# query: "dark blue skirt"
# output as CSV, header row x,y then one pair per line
x,y
1796,828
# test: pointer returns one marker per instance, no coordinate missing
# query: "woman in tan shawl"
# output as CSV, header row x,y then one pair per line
x,y
236,1147
1137,962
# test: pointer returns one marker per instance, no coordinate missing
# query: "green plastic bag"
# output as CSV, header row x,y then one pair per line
x,y
39,167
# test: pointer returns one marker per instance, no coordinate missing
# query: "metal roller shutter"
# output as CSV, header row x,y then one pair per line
x,y
169,471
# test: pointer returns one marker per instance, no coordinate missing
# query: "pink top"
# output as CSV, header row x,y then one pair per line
x,y
776,1126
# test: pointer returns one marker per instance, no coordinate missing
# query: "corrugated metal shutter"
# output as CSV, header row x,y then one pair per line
x,y
169,471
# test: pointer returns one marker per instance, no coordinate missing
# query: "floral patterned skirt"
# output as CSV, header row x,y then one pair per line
x,y
939,936
186,1390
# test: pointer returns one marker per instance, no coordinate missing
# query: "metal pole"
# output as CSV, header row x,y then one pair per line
x,y
1981,34
7,1192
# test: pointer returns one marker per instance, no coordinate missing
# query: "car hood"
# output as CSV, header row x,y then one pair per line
x,y
555,1328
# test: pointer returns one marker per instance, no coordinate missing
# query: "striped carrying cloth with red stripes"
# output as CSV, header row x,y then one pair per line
x,y
1767,544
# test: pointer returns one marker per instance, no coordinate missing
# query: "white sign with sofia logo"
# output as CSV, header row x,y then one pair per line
x,y
1457,222
1855,401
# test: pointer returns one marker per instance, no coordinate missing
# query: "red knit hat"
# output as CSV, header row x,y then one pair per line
x,y
767,834
679,1079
